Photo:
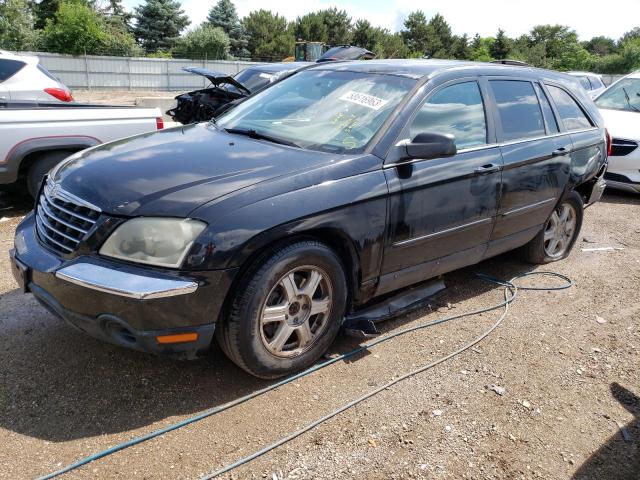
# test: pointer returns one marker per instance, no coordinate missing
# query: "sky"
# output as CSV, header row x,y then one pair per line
x,y
588,17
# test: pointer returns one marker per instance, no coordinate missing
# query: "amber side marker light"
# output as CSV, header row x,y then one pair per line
x,y
177,338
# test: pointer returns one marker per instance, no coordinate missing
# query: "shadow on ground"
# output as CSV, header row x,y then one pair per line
x,y
62,385
619,458
620,197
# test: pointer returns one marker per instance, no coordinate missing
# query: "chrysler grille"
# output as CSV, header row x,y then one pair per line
x,y
62,219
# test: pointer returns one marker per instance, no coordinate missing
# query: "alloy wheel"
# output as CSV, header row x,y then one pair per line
x,y
560,230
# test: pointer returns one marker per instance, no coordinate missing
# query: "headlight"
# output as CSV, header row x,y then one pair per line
x,y
163,242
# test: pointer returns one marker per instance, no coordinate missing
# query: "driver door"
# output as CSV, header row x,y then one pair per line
x,y
442,211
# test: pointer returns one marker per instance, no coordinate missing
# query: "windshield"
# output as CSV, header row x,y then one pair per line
x,y
331,111
624,95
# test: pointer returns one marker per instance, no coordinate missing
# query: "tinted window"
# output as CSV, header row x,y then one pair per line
x,y
549,118
8,68
458,110
573,118
596,83
520,114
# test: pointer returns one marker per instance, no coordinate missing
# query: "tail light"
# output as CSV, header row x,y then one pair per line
x,y
609,143
60,94
159,123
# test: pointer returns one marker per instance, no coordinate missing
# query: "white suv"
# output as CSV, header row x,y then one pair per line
x,y
23,78
592,82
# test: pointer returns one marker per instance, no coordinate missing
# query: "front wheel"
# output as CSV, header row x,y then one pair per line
x,y
556,240
287,311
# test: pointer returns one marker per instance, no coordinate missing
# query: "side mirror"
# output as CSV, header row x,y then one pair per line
x,y
430,145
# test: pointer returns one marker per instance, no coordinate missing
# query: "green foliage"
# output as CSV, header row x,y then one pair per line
x,y
481,49
331,26
76,28
223,14
204,42
439,39
460,48
502,46
16,26
416,32
159,23
270,37
601,46
311,28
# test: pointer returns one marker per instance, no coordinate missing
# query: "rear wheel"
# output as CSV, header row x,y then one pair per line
x,y
287,311
556,240
41,166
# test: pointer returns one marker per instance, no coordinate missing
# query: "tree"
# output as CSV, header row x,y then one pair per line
x,y
311,28
416,32
365,35
338,23
460,49
439,38
601,46
16,25
159,23
223,15
270,37
554,39
630,35
204,42
117,15
390,45
502,46
76,28
481,49
45,10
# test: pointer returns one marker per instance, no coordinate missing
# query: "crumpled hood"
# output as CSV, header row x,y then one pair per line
x,y
174,171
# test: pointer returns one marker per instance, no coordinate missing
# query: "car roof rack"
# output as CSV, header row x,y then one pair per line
x,y
515,63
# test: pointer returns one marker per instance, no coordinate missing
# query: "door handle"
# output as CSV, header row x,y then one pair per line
x,y
490,168
559,152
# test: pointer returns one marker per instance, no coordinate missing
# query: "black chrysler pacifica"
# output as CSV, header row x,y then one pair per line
x,y
337,185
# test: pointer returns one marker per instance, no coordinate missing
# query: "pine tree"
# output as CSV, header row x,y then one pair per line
x,y
502,46
159,23
223,15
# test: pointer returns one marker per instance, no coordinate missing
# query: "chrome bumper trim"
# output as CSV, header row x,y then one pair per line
x,y
124,284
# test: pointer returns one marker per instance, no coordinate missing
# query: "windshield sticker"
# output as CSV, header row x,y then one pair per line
x,y
364,100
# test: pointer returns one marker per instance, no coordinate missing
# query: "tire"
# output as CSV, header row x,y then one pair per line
x,y
271,329
558,236
40,167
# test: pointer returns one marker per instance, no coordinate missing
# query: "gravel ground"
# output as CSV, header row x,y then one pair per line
x,y
567,362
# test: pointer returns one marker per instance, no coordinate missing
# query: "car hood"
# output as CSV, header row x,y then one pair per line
x,y
172,172
622,124
217,78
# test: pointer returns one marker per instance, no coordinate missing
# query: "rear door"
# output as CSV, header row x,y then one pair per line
x,y
442,210
588,142
8,68
536,155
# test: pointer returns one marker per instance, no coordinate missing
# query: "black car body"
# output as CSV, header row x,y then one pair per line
x,y
406,205
202,105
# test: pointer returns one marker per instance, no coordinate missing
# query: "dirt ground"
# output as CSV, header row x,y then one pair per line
x,y
118,97
568,363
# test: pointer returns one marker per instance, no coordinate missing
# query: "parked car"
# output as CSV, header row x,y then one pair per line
x,y
203,105
309,200
620,107
591,82
23,78
34,137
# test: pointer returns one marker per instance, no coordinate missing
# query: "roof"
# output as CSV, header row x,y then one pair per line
x,y
418,68
578,74
22,58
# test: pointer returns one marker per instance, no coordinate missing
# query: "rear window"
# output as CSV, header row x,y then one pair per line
x,y
571,114
8,68
596,83
549,118
518,108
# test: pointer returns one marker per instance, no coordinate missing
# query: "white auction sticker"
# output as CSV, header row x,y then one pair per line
x,y
364,100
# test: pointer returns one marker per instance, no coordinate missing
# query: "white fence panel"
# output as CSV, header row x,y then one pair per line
x,y
135,73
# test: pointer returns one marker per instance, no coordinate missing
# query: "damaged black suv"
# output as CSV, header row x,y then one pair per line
x,y
309,200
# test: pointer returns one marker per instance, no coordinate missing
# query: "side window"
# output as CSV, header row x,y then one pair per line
x,y
458,110
8,68
549,119
518,108
584,81
573,118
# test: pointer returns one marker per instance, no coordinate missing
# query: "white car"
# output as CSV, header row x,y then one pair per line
x,y
620,108
592,82
22,78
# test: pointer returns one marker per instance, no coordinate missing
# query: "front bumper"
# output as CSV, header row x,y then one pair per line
x,y
122,304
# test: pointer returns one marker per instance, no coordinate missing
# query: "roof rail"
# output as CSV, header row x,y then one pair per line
x,y
515,63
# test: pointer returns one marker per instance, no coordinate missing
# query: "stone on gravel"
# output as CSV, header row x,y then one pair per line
x,y
496,388
600,320
437,413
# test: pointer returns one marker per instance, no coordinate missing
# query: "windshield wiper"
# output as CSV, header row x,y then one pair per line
x,y
251,133
626,95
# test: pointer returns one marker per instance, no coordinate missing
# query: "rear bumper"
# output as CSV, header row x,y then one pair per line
x,y
122,304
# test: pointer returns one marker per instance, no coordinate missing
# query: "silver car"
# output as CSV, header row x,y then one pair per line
x,y
23,78
592,82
